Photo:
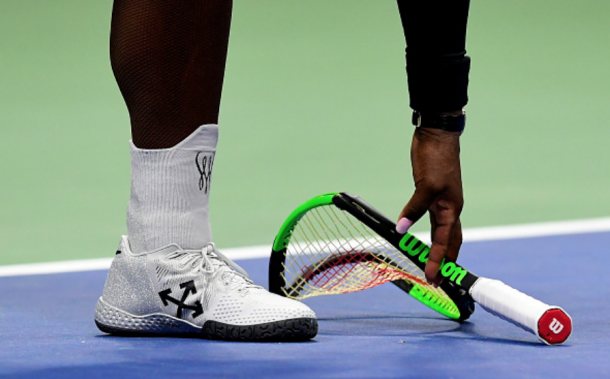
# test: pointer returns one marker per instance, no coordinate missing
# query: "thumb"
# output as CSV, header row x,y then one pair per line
x,y
417,206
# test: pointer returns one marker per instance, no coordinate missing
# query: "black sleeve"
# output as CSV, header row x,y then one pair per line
x,y
437,64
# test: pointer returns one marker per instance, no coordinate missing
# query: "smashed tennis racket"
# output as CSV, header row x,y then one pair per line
x,y
336,243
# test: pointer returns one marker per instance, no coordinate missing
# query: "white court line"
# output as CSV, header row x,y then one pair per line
x,y
251,252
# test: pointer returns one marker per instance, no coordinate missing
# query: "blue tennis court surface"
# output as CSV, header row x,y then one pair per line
x,y
47,329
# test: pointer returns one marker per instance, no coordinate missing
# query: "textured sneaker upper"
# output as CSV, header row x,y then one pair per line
x,y
194,286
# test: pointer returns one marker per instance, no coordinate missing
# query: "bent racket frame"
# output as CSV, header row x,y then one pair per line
x,y
448,300
454,297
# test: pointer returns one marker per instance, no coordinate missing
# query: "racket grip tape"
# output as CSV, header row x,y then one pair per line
x,y
550,323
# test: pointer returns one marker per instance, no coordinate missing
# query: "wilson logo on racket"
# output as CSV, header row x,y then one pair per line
x,y
416,248
556,327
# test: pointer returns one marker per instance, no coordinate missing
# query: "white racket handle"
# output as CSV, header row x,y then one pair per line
x,y
550,323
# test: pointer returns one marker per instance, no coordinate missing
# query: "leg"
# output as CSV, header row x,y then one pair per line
x,y
168,278
168,57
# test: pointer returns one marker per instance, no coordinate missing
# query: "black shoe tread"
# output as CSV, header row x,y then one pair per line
x,y
298,329
293,330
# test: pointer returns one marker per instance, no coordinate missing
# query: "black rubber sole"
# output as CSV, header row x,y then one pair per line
x,y
298,329
294,330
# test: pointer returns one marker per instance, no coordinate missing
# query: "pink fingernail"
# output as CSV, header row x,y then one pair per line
x,y
403,225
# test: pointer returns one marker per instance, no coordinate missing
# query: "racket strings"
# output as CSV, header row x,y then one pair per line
x,y
331,252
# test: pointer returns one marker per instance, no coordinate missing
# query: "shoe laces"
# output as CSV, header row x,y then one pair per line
x,y
212,261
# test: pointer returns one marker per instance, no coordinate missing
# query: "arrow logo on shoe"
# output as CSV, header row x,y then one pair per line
x,y
189,287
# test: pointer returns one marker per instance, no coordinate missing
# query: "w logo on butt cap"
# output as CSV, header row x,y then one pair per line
x,y
556,327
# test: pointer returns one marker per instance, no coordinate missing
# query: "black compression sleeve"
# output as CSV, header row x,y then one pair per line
x,y
168,57
437,65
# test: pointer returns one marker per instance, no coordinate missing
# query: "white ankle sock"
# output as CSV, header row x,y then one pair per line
x,y
170,190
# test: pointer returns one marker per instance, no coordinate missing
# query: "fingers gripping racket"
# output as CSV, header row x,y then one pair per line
x,y
336,243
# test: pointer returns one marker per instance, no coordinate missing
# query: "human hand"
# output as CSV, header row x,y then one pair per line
x,y
435,159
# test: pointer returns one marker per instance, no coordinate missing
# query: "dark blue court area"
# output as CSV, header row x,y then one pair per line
x,y
47,329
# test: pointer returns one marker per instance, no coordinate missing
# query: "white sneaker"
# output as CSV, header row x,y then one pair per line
x,y
173,291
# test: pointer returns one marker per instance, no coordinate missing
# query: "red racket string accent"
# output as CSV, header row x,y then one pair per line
x,y
334,270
